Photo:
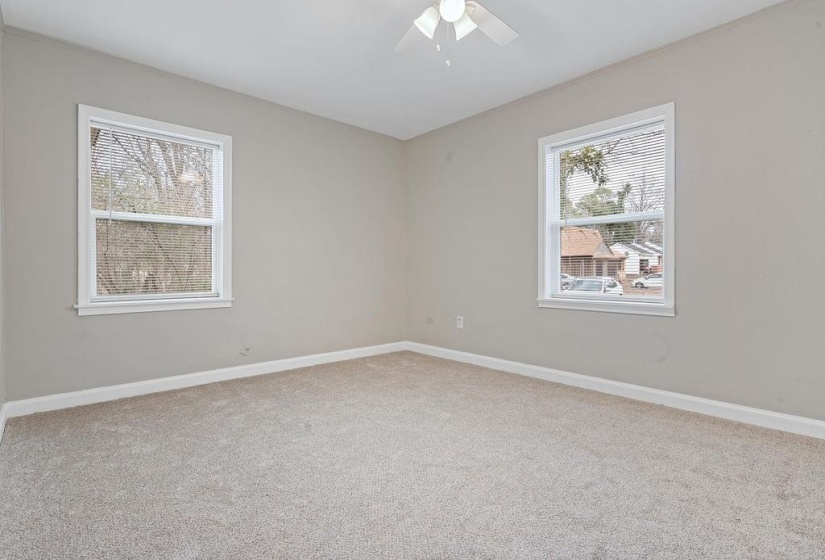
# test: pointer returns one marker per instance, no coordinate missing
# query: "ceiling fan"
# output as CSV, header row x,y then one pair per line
x,y
466,17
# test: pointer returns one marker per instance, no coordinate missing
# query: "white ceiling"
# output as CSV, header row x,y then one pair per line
x,y
336,58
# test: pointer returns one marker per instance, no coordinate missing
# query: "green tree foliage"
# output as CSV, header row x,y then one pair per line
x,y
605,202
588,159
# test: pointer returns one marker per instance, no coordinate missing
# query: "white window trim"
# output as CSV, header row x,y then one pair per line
x,y
222,261
547,207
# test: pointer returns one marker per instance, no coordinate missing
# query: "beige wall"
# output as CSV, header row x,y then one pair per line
x,y
2,227
750,222
318,232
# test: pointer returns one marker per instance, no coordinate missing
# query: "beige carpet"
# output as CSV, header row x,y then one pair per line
x,y
403,456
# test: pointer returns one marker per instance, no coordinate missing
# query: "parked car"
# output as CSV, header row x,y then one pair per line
x,y
649,281
596,284
566,280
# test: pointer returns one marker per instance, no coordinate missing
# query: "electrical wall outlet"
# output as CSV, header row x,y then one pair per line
x,y
247,348
459,321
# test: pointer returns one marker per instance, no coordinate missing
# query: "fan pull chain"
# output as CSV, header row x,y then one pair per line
x,y
444,32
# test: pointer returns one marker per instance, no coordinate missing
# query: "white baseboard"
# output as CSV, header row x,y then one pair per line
x,y
90,396
755,416
719,409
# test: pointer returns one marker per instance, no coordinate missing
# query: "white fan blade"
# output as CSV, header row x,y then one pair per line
x,y
428,21
490,25
408,39
463,27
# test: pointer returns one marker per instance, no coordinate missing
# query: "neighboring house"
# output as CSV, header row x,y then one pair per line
x,y
584,253
657,265
641,258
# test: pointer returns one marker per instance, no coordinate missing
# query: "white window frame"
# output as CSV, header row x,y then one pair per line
x,y
88,303
549,260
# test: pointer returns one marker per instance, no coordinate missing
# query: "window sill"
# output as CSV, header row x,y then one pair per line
x,y
114,307
628,307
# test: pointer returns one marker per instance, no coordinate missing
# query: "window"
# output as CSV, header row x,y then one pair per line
x,y
606,212
153,217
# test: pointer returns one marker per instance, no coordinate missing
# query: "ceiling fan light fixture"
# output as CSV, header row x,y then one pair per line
x,y
452,10
465,15
464,26
428,21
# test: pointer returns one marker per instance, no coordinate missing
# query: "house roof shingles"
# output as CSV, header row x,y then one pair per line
x,y
641,249
583,242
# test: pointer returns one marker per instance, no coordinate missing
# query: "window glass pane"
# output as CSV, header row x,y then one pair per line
x,y
149,258
133,173
613,175
631,253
